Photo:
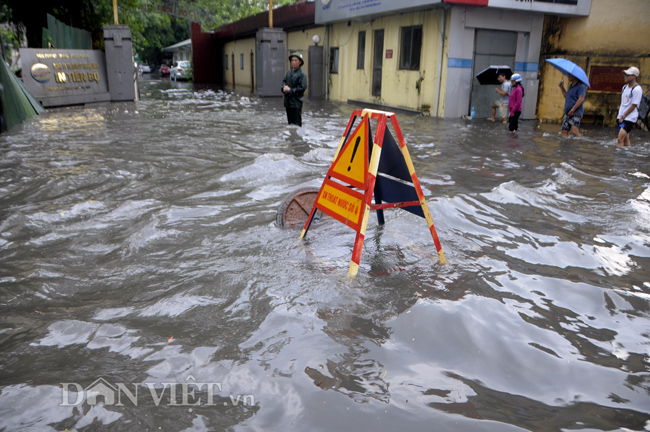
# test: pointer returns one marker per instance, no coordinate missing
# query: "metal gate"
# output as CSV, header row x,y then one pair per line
x,y
491,47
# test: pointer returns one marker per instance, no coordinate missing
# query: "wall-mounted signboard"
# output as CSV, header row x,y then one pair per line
x,y
328,11
65,77
607,78
558,7
343,10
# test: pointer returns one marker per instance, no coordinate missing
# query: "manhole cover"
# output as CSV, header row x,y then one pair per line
x,y
295,208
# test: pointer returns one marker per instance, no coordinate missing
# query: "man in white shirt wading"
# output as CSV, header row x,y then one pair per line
x,y
628,113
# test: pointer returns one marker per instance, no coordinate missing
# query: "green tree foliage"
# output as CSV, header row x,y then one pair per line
x,y
90,15
154,24
214,13
152,32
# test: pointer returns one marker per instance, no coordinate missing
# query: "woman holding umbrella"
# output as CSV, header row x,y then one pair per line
x,y
573,108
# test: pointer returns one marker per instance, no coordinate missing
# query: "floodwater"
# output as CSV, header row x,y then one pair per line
x,y
144,284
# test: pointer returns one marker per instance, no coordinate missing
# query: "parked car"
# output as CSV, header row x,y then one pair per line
x,y
180,70
145,68
164,70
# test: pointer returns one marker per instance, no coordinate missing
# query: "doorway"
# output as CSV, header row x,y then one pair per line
x,y
377,59
252,72
491,47
233,70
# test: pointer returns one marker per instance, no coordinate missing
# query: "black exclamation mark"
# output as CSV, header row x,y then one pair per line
x,y
356,146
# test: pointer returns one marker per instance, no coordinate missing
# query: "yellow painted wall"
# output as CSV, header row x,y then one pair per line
x,y
296,41
242,76
599,106
616,34
400,88
444,69
615,27
301,41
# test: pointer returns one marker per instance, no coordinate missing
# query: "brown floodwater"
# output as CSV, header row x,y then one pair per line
x,y
144,283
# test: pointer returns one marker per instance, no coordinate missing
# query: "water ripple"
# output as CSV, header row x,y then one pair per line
x,y
138,246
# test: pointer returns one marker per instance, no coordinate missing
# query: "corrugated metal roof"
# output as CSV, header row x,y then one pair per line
x,y
186,43
295,15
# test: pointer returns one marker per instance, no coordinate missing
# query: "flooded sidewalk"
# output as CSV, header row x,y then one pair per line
x,y
144,283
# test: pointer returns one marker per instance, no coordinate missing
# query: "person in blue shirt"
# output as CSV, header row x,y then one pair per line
x,y
573,106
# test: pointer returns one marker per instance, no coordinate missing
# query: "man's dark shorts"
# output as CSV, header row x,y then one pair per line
x,y
627,125
570,121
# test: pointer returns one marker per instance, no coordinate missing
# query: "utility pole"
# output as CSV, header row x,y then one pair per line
x,y
270,13
115,12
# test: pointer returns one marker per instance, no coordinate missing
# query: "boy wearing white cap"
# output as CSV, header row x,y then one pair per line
x,y
628,113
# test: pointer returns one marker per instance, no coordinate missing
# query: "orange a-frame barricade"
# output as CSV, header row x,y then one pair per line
x,y
358,171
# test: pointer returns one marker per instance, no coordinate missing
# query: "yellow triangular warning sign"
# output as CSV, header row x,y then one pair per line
x,y
351,164
399,183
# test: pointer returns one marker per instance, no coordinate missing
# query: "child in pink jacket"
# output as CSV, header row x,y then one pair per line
x,y
515,102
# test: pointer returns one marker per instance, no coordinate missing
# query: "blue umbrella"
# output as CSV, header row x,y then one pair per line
x,y
568,67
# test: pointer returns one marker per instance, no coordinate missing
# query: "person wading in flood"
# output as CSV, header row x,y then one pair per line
x,y
515,103
628,112
573,107
293,87
502,102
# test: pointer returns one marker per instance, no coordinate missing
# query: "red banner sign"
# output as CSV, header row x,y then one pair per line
x,y
606,78
468,2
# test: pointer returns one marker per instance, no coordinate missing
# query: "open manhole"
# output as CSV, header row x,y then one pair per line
x,y
295,208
